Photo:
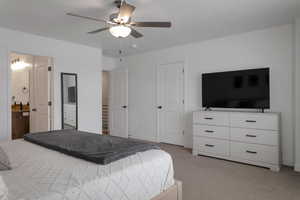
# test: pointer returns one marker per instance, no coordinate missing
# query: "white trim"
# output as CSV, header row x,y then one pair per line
x,y
127,103
52,93
297,167
157,100
5,110
9,113
186,91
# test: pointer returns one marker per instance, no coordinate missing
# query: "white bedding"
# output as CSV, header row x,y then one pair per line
x,y
42,174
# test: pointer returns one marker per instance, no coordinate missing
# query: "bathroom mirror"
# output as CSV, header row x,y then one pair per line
x,y
69,101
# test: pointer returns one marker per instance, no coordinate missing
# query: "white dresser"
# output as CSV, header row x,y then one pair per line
x,y
248,137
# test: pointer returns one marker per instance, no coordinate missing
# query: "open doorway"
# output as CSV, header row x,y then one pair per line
x,y
115,102
105,102
31,80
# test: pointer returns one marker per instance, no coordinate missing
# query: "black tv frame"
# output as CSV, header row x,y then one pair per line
x,y
209,108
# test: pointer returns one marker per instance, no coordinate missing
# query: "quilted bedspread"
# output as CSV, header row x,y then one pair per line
x,y
42,174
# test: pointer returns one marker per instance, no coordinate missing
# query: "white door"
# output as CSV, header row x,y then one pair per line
x,y
39,95
118,117
170,103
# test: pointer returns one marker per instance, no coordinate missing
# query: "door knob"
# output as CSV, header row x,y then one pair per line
x,y
34,109
124,106
159,107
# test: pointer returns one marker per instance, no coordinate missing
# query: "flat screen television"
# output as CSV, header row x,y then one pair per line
x,y
249,89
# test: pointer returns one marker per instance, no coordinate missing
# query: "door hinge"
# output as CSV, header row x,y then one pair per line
x,y
183,101
183,132
182,70
49,103
49,68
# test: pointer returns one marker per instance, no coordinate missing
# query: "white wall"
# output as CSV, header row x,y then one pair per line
x,y
297,94
265,48
68,57
109,63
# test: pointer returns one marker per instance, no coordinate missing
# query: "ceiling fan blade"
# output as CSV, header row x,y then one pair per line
x,y
98,30
86,17
126,11
135,33
152,24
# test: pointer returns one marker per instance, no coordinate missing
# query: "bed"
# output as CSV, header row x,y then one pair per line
x,y
39,173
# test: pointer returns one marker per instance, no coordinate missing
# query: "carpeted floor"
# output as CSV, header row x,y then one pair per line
x,y
212,179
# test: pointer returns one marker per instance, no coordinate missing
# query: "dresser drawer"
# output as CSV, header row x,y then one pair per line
x,y
254,120
211,118
214,146
264,137
254,152
221,132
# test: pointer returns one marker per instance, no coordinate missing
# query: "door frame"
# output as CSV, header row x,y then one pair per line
x,y
158,140
62,97
109,88
9,91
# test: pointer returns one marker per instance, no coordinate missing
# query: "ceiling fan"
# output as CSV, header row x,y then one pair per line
x,y
120,24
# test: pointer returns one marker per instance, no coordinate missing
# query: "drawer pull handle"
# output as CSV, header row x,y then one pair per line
x,y
208,118
208,131
209,145
251,152
251,121
252,136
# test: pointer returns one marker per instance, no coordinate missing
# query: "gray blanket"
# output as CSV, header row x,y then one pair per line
x,y
88,146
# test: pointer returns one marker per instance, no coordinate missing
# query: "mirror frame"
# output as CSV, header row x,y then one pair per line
x,y
62,98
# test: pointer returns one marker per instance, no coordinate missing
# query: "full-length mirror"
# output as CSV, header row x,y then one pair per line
x,y
69,101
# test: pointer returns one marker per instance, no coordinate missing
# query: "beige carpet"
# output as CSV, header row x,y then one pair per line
x,y
212,179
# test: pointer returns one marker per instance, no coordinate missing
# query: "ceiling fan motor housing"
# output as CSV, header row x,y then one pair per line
x,y
115,18
118,3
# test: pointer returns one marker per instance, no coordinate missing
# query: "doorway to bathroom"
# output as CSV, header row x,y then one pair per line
x,y
31,94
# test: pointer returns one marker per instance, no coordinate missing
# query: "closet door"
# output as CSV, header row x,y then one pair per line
x,y
170,103
118,117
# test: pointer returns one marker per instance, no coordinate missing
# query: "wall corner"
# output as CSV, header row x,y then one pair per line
x,y
297,167
296,61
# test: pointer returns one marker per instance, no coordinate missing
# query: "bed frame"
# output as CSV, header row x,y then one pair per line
x,y
173,193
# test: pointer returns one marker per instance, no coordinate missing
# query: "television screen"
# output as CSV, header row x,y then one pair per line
x,y
236,89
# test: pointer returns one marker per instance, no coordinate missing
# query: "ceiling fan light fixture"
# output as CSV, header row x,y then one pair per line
x,y
120,31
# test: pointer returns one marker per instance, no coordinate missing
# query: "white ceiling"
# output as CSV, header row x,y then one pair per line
x,y
192,20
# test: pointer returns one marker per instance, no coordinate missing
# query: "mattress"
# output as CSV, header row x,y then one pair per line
x,y
42,174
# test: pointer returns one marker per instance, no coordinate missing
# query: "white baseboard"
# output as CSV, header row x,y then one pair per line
x,y
288,163
297,167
